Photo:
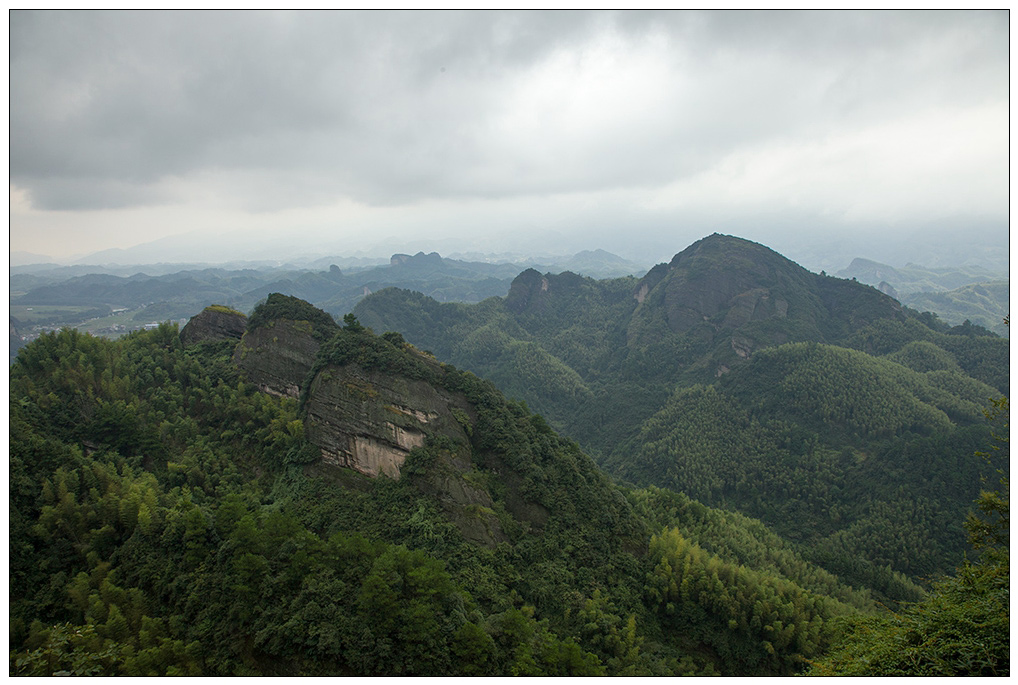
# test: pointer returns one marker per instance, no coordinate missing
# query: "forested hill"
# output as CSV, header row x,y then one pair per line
x,y
845,413
319,500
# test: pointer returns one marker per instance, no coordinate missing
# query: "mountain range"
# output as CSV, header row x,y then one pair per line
x,y
805,368
713,468
956,294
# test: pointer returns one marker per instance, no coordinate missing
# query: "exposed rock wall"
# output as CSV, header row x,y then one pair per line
x,y
369,421
278,357
214,323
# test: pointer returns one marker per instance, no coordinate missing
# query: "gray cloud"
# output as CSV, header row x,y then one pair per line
x,y
260,112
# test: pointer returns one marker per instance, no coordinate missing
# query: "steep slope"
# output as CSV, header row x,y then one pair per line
x,y
281,343
737,376
550,341
215,322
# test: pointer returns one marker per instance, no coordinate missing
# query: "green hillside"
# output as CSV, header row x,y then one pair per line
x,y
854,456
168,518
985,304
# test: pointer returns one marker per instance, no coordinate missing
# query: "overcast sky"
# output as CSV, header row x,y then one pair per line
x,y
381,131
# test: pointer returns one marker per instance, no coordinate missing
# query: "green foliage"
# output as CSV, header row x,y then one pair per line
x,y
756,623
71,651
351,323
739,540
279,306
599,358
991,528
181,556
984,304
168,519
222,309
962,628
924,356
857,457
394,338
984,358
854,392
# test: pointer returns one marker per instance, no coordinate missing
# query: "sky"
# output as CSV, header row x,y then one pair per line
x,y
207,136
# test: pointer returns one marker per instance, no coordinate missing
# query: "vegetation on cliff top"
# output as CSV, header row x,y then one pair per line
x,y
279,306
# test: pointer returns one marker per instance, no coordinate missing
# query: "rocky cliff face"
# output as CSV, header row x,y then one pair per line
x,y
369,421
214,323
366,417
278,357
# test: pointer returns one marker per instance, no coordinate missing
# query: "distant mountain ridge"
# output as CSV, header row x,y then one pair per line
x,y
333,288
165,291
956,294
984,304
914,277
714,303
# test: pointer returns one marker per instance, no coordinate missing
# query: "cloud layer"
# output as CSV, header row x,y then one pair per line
x,y
881,117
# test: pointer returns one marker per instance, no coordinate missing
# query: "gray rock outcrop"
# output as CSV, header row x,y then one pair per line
x,y
278,357
215,322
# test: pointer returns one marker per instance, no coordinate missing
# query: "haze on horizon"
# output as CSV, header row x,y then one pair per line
x,y
217,136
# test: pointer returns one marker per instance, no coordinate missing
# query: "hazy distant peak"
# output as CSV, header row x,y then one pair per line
x,y
869,271
22,258
432,258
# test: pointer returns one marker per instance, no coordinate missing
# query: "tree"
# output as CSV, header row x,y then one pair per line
x,y
352,324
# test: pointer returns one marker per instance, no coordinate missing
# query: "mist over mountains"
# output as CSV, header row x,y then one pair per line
x,y
460,276
821,246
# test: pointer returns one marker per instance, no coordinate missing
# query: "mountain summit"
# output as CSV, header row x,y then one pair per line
x,y
738,294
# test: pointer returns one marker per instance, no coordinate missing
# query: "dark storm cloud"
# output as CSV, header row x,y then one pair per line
x,y
274,110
